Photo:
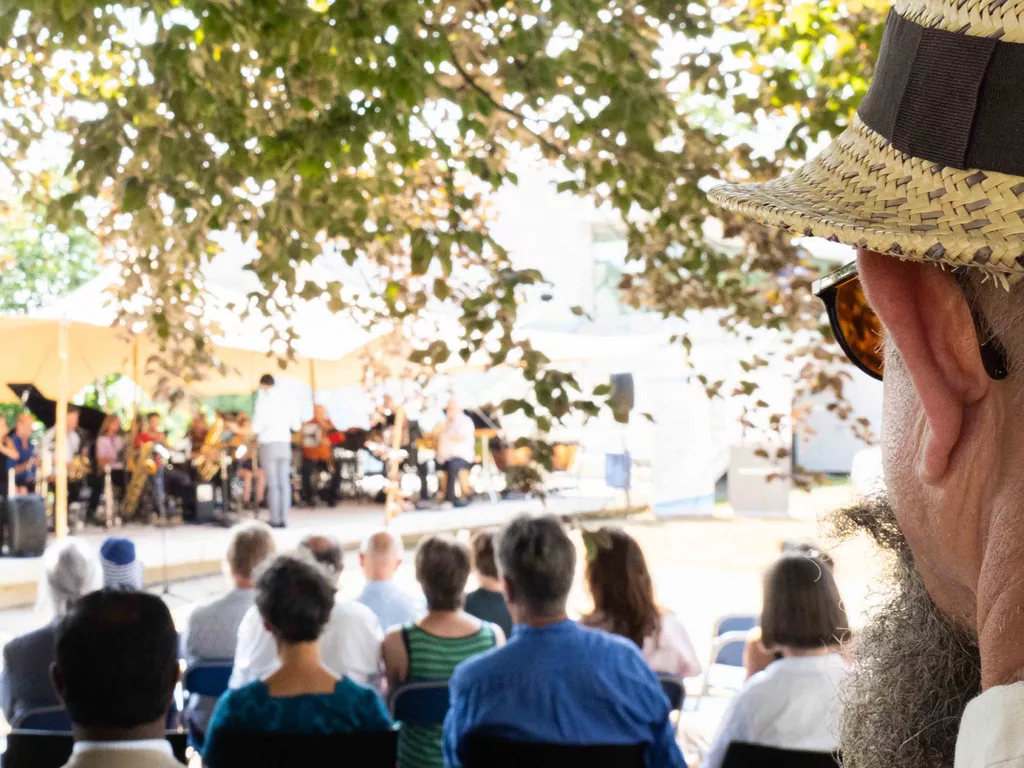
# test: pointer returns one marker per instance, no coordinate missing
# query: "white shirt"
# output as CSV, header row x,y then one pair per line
x,y
457,440
349,646
155,745
990,731
671,650
74,442
275,417
793,704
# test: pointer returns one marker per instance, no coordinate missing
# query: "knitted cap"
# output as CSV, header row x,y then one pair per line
x,y
121,569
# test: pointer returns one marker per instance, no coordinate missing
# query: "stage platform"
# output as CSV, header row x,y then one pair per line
x,y
198,550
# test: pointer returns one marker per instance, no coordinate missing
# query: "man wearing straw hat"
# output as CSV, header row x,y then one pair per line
x,y
928,184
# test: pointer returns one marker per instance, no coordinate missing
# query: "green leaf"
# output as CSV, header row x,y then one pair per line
x,y
134,197
70,9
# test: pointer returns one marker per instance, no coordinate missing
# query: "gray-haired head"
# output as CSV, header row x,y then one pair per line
x,y
381,555
70,570
537,561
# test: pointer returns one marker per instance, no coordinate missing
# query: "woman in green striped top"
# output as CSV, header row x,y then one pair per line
x,y
435,645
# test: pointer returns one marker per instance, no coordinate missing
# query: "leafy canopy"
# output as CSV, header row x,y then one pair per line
x,y
375,129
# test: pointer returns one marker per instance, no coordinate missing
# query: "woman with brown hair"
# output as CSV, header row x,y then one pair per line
x,y
794,703
623,592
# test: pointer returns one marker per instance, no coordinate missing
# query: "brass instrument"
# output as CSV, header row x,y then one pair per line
x,y
140,466
207,462
79,467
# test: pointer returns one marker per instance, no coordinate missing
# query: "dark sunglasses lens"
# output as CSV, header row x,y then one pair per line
x,y
859,326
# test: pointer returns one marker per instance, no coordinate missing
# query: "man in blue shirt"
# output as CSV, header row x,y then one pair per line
x,y
555,681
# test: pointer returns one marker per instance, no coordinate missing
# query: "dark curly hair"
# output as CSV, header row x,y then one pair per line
x,y
621,586
294,595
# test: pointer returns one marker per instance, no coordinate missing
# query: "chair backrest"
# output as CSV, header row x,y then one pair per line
x,y
674,688
51,719
208,678
736,622
727,649
742,755
367,749
420,703
43,749
489,752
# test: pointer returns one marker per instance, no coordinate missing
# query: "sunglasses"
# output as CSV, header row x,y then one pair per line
x,y
859,331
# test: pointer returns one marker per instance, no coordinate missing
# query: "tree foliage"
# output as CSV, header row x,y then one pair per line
x,y
377,129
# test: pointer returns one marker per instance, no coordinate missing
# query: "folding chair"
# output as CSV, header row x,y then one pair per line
x,y
735,622
208,679
420,703
367,749
49,719
742,755
489,752
726,654
675,691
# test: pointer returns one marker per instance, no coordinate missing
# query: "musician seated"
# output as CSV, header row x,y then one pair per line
x,y
316,456
201,454
73,446
456,449
168,481
25,464
110,454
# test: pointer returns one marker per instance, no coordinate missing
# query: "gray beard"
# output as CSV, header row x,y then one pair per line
x,y
914,669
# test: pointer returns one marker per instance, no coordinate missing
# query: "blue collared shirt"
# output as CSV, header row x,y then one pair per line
x,y
392,605
562,684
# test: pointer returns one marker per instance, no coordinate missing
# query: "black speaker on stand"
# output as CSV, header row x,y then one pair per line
x,y
25,522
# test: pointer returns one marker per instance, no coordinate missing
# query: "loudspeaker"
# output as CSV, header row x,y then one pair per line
x,y
26,525
204,503
621,398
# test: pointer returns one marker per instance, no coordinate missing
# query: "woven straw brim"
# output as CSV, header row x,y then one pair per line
x,y
862,192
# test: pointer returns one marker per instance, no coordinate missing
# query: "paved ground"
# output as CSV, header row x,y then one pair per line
x,y
702,569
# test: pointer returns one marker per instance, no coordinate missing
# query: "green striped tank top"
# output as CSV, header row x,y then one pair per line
x,y
434,658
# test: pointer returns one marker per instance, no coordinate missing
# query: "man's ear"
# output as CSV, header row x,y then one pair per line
x,y
928,320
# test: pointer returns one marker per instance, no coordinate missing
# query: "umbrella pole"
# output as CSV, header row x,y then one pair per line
x,y
312,379
135,391
61,428
394,499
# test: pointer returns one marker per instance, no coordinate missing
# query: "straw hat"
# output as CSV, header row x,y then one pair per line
x,y
932,166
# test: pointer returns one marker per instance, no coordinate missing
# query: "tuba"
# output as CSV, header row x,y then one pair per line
x,y
140,466
207,463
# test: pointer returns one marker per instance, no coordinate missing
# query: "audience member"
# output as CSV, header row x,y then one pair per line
x,y
350,644
487,601
122,570
756,657
212,630
431,648
380,557
623,592
555,681
116,668
295,597
794,703
70,570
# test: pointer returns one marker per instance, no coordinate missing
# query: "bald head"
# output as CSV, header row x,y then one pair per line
x,y
380,556
326,550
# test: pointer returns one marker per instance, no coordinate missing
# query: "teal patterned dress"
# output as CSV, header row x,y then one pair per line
x,y
351,707
434,658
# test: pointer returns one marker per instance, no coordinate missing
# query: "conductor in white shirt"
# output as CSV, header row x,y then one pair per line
x,y
456,449
273,421
349,645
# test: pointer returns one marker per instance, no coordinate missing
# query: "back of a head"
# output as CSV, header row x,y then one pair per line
x,y
295,596
121,567
266,380
442,569
484,556
70,570
802,608
538,560
382,545
621,585
251,543
117,660
326,550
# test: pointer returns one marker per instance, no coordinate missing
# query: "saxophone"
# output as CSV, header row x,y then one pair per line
x,y
207,463
140,466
